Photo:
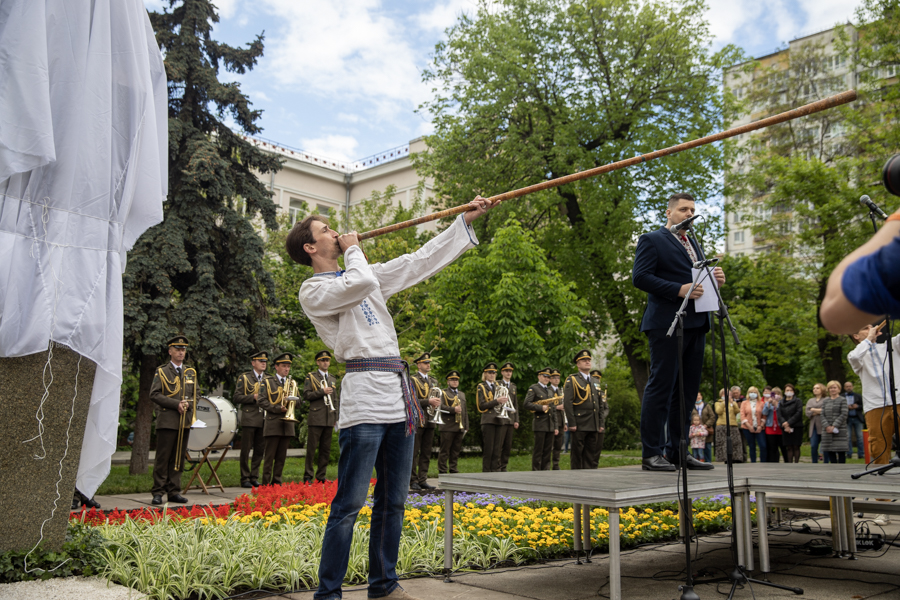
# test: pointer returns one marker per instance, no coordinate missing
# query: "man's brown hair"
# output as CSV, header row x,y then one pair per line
x,y
300,235
674,198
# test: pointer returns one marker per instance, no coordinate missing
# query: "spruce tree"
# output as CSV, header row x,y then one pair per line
x,y
200,271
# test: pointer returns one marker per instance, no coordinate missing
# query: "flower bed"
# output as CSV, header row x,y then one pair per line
x,y
272,538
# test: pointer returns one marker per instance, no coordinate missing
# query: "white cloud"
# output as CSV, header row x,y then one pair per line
x,y
341,147
444,14
227,8
346,50
825,14
348,118
259,95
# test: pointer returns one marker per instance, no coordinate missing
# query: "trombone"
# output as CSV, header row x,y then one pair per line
x,y
190,377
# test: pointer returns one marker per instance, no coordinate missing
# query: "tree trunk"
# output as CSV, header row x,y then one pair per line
x,y
140,450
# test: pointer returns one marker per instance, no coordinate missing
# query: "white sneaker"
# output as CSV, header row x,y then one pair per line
x,y
882,520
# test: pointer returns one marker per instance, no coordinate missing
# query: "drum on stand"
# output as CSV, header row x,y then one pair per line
x,y
220,418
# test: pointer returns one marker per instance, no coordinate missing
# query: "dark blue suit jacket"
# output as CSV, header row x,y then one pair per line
x,y
661,267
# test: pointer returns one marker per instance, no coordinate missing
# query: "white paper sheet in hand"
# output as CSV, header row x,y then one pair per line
x,y
708,302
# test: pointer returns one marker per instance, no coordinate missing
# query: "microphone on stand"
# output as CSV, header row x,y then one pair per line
x,y
700,264
867,202
686,224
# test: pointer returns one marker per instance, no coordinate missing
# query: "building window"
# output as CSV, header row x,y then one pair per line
x,y
738,237
323,210
296,209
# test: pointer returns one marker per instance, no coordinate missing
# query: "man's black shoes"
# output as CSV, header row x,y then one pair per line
x,y
255,483
157,499
414,486
694,465
177,498
426,486
246,484
657,463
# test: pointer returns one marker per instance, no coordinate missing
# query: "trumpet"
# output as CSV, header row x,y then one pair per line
x,y
454,404
328,402
190,377
554,401
434,412
291,394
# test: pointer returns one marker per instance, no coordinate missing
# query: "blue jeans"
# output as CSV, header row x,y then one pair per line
x,y
855,423
754,440
387,449
708,452
814,440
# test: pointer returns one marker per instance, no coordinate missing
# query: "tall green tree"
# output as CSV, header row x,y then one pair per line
x,y
201,271
502,301
797,183
538,89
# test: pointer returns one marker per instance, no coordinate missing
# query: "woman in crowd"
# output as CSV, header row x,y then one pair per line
x,y
723,432
791,416
814,413
834,420
753,423
774,433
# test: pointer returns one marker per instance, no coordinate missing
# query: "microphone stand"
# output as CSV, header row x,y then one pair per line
x,y
889,347
738,575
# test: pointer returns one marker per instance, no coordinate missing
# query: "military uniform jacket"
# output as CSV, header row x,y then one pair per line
x,y
319,414
514,402
422,384
582,401
448,399
271,393
251,413
543,421
485,403
166,391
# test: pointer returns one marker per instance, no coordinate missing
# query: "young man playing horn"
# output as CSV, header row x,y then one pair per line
x,y
379,413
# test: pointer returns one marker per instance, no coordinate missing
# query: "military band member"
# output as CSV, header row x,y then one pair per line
x,y
491,422
278,432
172,394
456,424
582,402
561,423
321,419
422,385
509,426
246,394
597,376
544,425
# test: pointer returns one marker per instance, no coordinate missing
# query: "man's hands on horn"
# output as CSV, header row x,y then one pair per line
x,y
479,206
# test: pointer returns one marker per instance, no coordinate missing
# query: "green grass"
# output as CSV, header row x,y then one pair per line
x,y
120,482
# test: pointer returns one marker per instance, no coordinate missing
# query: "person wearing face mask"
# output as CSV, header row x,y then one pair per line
x,y
774,432
724,431
753,423
791,417
834,420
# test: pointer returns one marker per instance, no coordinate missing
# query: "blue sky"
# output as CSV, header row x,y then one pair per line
x,y
342,78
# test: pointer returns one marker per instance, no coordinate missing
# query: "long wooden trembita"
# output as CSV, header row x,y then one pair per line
x,y
805,110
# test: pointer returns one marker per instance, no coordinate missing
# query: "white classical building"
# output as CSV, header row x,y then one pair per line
x,y
330,186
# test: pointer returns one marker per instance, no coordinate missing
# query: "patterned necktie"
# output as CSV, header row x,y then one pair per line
x,y
688,247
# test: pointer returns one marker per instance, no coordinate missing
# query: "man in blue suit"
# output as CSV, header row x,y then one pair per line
x,y
662,268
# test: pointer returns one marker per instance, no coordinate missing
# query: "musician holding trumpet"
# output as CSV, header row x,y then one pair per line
x,y
278,397
490,401
173,390
541,401
321,393
455,425
423,383
246,395
583,407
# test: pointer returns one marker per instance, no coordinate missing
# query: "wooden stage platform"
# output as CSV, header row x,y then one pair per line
x,y
615,488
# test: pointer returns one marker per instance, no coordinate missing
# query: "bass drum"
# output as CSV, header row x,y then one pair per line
x,y
220,418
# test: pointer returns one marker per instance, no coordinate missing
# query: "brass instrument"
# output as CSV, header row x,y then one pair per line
x,y
434,412
291,395
503,410
328,402
190,377
554,401
454,404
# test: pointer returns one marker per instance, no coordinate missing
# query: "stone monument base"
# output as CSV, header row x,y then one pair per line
x,y
30,482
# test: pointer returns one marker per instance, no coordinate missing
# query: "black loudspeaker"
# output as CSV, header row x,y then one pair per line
x,y
890,175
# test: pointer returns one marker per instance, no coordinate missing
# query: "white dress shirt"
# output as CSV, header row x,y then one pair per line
x,y
869,361
350,314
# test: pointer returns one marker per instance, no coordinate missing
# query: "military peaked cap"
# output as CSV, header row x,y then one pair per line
x,y
323,354
453,375
582,354
508,365
287,357
596,373
263,356
179,341
425,358
491,367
